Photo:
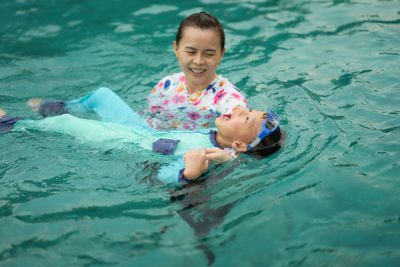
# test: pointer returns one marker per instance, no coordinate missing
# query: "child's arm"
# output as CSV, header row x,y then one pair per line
x,y
218,154
196,163
192,165
185,169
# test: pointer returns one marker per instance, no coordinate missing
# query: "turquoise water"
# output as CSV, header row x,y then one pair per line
x,y
330,197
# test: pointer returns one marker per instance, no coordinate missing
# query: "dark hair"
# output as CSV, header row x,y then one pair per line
x,y
269,145
203,21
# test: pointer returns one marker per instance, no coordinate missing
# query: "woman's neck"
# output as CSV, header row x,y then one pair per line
x,y
191,88
195,89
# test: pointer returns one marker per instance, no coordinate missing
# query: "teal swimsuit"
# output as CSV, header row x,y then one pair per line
x,y
120,126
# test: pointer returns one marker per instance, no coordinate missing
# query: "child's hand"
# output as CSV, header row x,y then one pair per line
x,y
196,163
217,154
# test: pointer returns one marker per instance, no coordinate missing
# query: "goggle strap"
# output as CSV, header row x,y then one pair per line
x,y
265,131
254,143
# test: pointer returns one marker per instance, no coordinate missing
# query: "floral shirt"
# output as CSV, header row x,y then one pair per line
x,y
172,107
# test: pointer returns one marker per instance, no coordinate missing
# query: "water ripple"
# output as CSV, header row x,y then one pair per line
x,y
329,69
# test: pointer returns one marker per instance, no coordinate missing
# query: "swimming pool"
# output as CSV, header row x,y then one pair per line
x,y
330,197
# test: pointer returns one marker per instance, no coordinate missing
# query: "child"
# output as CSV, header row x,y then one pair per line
x,y
247,131
195,97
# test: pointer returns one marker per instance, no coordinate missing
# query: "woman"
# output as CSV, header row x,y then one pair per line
x,y
196,96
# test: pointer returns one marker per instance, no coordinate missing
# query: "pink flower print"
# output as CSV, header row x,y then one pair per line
x,y
166,102
170,116
182,78
178,99
155,109
197,102
160,84
237,96
189,125
193,115
209,116
219,96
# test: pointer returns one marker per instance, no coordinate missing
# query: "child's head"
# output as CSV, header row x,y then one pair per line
x,y
252,131
202,21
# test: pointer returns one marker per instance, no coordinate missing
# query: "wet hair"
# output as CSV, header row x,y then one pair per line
x,y
269,145
203,21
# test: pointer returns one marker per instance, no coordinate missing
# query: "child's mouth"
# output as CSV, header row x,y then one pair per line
x,y
226,117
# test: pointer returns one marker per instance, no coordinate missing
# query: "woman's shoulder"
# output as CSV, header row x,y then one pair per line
x,y
224,83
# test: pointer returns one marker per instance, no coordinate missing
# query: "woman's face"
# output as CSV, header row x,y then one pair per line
x,y
199,54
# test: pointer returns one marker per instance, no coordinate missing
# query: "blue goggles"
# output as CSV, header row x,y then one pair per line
x,y
269,125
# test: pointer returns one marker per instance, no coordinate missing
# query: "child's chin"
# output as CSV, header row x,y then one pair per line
x,y
217,121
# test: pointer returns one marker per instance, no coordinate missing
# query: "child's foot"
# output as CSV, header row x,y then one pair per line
x,y
34,103
2,113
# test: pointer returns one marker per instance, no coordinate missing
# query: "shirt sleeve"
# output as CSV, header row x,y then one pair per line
x,y
232,102
173,173
232,98
170,173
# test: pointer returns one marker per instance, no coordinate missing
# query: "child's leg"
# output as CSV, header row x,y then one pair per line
x,y
108,106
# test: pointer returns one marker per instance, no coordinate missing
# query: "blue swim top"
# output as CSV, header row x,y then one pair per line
x,y
110,135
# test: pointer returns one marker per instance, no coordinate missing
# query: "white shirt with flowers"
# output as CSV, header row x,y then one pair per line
x,y
172,107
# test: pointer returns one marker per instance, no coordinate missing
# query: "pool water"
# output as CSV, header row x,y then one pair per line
x,y
330,197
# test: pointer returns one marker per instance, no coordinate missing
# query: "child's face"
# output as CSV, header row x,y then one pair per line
x,y
199,54
241,125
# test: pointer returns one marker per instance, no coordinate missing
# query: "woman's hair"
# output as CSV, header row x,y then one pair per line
x,y
269,145
203,21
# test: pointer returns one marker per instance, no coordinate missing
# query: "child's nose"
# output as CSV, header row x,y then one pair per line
x,y
243,112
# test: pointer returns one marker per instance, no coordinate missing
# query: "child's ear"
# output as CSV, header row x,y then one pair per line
x,y
239,146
